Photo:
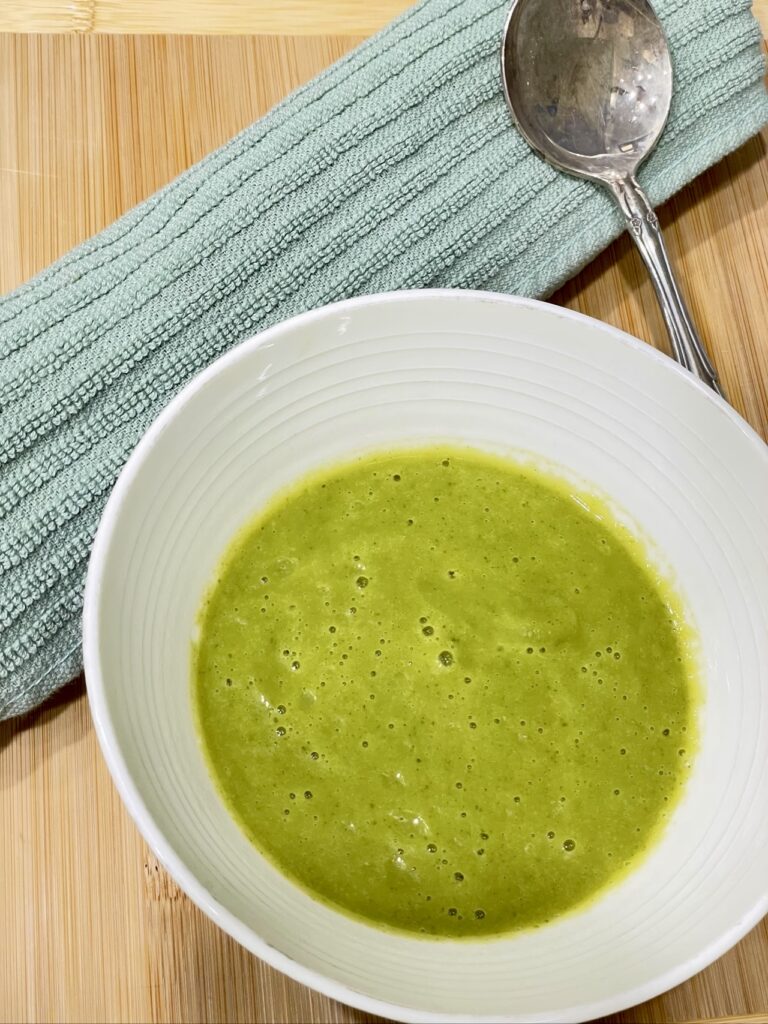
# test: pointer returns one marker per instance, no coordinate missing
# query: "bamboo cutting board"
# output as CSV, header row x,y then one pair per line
x,y
299,17
91,928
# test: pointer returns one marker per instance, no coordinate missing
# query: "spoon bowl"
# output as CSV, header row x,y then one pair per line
x,y
593,96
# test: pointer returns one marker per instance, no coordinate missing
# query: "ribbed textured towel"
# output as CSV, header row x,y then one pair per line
x,y
396,168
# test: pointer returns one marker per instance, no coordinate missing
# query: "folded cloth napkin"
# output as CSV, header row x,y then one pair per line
x,y
396,168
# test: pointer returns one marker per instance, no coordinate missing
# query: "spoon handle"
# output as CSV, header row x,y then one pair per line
x,y
644,227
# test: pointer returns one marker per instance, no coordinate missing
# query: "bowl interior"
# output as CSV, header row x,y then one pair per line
x,y
507,375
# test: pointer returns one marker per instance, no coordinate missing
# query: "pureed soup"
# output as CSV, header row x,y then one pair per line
x,y
444,693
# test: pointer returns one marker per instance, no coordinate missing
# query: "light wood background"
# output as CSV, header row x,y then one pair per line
x,y
237,17
91,928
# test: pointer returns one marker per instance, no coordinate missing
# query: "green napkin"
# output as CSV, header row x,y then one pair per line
x,y
396,168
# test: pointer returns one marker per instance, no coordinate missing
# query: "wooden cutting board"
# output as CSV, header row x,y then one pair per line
x,y
247,17
91,928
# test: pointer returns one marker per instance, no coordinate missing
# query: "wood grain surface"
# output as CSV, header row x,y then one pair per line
x,y
91,928
237,17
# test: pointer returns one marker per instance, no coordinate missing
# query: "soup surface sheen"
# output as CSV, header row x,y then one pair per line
x,y
444,692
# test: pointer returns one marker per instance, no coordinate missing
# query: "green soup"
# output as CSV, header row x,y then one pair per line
x,y
443,692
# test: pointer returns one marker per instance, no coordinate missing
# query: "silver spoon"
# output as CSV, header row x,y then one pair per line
x,y
589,83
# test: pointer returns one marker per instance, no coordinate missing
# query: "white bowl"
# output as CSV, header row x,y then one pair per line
x,y
500,373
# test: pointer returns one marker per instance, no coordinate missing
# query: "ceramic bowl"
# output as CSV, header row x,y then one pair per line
x,y
509,375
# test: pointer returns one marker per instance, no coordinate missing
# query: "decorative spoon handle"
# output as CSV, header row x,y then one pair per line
x,y
643,224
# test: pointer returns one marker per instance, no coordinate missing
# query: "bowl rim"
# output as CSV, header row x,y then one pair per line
x,y
128,791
